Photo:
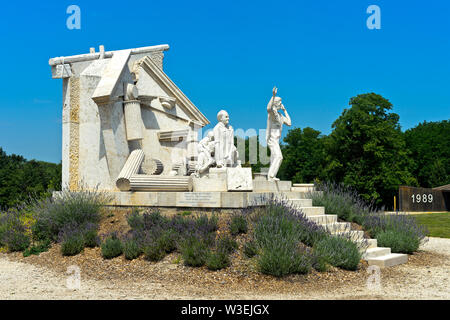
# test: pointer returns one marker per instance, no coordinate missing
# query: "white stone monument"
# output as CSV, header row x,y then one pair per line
x,y
130,131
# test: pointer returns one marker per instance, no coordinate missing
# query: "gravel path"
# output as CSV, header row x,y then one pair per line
x,y
425,276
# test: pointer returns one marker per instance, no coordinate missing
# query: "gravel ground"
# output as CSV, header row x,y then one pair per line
x,y
425,276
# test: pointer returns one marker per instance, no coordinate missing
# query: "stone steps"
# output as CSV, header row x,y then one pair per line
x,y
303,187
376,252
323,218
312,211
337,227
302,202
374,255
388,260
351,234
372,243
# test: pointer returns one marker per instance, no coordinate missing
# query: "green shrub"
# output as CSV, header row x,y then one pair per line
x,y
154,219
276,262
319,262
13,232
72,244
37,248
194,252
135,220
16,240
203,223
339,252
238,225
91,238
399,242
217,260
153,251
168,240
112,247
69,208
131,249
301,262
226,244
250,249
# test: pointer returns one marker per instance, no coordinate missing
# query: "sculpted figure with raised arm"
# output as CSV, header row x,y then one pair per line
x,y
275,121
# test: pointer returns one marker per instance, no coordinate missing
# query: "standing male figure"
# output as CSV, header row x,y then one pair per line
x,y
225,153
275,121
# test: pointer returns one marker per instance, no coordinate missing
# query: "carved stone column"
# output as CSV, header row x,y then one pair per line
x,y
130,168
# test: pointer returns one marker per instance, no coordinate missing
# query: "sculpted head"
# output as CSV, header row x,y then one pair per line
x,y
223,117
277,102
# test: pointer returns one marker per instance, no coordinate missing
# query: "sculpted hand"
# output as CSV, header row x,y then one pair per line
x,y
274,91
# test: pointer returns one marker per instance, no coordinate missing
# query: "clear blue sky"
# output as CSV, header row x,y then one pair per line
x,y
229,54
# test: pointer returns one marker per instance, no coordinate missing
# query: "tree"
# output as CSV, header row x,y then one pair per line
x,y
20,179
303,156
367,149
429,143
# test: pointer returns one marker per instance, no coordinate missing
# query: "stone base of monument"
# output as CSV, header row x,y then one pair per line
x,y
204,199
217,191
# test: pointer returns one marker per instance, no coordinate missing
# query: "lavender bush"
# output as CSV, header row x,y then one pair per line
x,y
69,208
14,234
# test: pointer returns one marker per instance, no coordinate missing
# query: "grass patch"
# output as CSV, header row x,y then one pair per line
x,y
438,224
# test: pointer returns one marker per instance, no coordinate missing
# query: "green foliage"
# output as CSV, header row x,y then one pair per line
x,y
72,244
399,242
14,234
438,224
250,249
135,220
112,247
153,251
194,252
131,249
279,263
91,238
70,208
277,235
429,143
339,252
37,248
20,178
209,224
168,240
303,156
367,149
226,244
238,224
217,260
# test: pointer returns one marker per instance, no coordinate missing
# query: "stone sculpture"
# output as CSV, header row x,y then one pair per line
x,y
205,150
275,122
225,152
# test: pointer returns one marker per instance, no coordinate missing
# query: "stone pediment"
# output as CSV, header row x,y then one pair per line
x,y
156,89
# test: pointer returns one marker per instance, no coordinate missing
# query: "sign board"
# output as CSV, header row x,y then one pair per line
x,y
422,199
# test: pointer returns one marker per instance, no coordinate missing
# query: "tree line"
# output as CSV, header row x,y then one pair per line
x,y
21,179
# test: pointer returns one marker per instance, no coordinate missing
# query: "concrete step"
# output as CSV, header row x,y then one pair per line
x,y
323,218
388,260
303,187
352,235
365,244
312,211
301,202
376,252
337,227
298,195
